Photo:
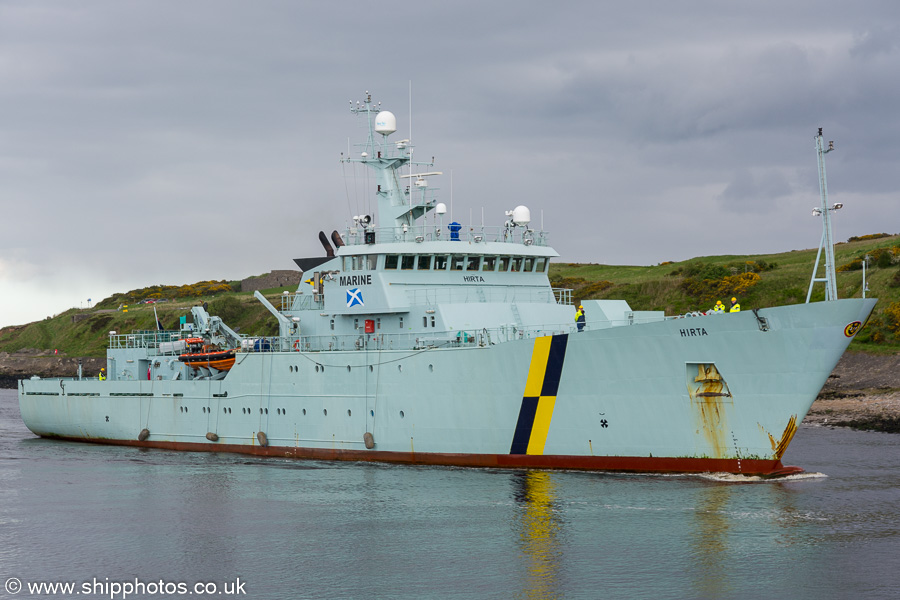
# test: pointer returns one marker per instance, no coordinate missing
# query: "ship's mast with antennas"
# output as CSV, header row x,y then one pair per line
x,y
398,206
827,242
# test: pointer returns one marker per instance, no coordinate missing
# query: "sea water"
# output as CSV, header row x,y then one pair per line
x,y
118,522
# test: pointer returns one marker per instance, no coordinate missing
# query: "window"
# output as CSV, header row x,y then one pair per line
x,y
472,263
541,265
401,322
378,323
457,262
516,264
489,263
391,261
332,324
432,320
440,262
425,321
424,262
504,263
371,262
529,264
407,262
348,263
355,323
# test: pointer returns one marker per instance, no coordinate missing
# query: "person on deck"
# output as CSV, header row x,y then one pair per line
x,y
579,318
735,307
102,374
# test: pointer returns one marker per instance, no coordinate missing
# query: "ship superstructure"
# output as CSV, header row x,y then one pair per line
x,y
423,341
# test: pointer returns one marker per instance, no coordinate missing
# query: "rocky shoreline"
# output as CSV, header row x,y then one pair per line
x,y
862,392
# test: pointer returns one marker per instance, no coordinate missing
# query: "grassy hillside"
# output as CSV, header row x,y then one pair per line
x,y
88,335
757,281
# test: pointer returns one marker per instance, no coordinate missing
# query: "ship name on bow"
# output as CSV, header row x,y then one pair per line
x,y
693,332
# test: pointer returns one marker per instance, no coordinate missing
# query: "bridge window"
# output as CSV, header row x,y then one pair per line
x,y
440,262
407,262
516,264
504,263
370,262
541,265
457,262
391,261
529,264
489,263
472,263
424,262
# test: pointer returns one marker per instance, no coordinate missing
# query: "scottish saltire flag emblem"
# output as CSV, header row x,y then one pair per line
x,y
354,297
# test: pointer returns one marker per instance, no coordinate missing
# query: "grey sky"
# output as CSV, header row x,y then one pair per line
x,y
169,142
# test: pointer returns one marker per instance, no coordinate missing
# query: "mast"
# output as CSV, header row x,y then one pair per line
x,y
397,207
830,278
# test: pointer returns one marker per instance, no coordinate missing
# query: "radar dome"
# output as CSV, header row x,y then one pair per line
x,y
385,122
440,208
521,216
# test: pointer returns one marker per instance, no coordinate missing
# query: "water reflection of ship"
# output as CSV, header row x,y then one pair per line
x,y
538,524
718,535
709,545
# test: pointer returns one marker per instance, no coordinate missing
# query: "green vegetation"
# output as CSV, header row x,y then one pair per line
x,y
85,332
676,288
757,281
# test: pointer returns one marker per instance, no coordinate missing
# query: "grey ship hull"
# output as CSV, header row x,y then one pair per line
x,y
625,398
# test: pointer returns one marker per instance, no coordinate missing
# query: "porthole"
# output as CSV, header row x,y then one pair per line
x,y
371,368
431,368
284,411
267,411
317,368
279,411
304,412
291,368
400,368
372,412
401,414
260,411
325,411
185,409
348,368
348,412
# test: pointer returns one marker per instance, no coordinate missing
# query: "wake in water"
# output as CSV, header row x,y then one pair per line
x,y
737,478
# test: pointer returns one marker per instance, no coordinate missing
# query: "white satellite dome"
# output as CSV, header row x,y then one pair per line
x,y
440,208
385,123
521,216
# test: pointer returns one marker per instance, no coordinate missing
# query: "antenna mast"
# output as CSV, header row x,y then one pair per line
x,y
827,242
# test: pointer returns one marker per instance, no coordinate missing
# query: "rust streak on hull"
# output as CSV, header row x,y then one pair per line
x,y
786,437
632,464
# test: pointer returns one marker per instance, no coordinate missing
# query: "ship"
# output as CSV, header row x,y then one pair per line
x,y
417,341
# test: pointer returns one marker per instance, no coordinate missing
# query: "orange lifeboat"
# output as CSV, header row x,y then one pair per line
x,y
207,355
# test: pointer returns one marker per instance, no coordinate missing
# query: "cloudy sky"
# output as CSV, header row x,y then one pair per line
x,y
164,142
